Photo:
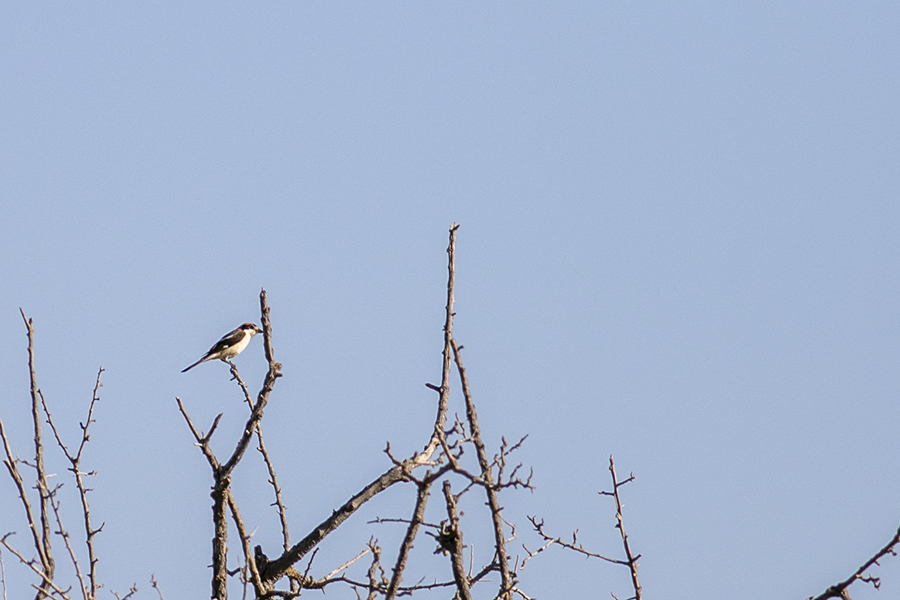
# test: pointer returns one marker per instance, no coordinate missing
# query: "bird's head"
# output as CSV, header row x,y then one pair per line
x,y
250,328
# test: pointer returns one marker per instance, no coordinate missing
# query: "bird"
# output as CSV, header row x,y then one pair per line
x,y
231,344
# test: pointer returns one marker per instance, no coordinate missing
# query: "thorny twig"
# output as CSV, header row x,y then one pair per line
x,y
573,545
620,525
75,461
839,590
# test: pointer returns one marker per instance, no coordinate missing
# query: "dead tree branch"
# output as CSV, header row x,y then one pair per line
x,y
839,590
411,531
277,568
75,462
507,581
451,542
42,546
620,524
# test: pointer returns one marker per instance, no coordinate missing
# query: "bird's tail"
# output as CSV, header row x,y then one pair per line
x,y
193,365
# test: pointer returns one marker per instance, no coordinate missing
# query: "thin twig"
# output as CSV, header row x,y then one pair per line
x,y
52,587
155,585
245,542
65,536
75,461
620,524
839,590
573,545
273,478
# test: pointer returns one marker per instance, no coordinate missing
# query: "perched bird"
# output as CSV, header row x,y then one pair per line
x,y
230,345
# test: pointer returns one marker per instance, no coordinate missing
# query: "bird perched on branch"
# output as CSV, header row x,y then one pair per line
x,y
230,345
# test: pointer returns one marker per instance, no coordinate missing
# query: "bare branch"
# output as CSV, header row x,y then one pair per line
x,y
273,478
451,541
839,590
155,585
2,575
506,578
245,542
51,587
573,545
43,546
411,531
401,470
620,524
11,466
65,536
374,569
75,461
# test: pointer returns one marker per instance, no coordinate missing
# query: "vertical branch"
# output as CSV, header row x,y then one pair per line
x,y
374,570
437,438
65,536
90,532
75,461
220,539
448,333
44,552
249,559
506,579
411,531
452,541
620,524
220,525
11,466
273,479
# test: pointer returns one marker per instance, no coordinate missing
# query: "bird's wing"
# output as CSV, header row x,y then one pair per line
x,y
229,339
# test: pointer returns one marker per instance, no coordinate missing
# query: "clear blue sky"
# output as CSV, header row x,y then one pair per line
x,y
678,245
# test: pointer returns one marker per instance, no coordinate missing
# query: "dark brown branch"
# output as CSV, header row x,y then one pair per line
x,y
839,590
220,539
43,547
451,540
277,568
620,524
506,578
411,531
